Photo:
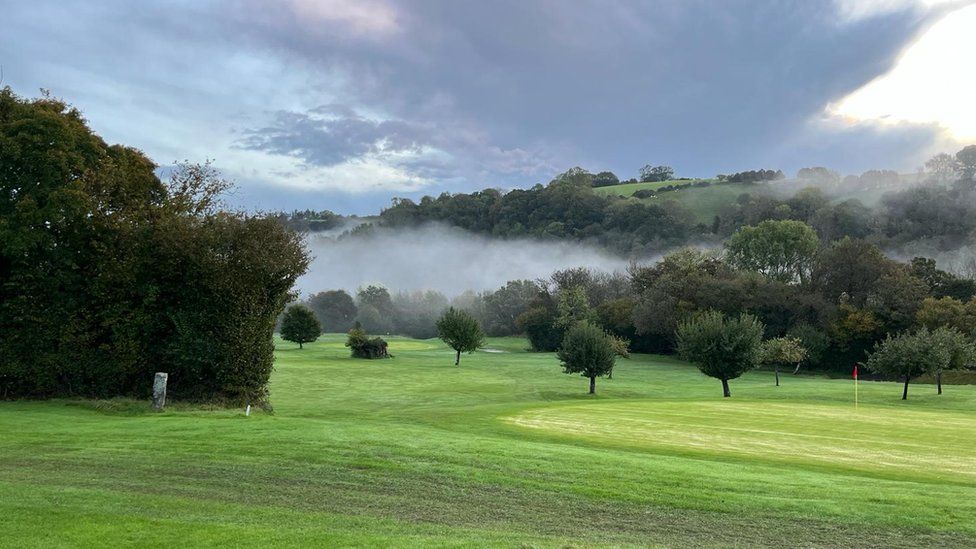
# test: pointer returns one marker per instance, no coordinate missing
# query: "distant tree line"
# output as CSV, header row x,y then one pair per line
x,y
109,274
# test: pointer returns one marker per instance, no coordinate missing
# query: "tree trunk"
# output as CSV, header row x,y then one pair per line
x,y
938,380
776,369
904,394
457,359
797,369
725,388
592,385
300,345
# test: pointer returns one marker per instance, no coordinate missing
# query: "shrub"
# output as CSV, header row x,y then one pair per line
x,y
363,346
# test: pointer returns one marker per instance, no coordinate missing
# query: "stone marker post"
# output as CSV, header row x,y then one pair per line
x,y
159,390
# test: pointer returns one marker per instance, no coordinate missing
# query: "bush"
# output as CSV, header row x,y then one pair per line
x,y
363,346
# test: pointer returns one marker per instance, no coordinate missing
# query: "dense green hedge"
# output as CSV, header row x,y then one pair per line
x,y
108,274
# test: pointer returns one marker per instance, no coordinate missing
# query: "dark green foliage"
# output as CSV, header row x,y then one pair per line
x,y
376,311
565,208
503,306
299,325
656,173
110,274
460,331
335,310
909,355
363,346
849,270
415,314
781,250
588,351
605,179
749,176
721,347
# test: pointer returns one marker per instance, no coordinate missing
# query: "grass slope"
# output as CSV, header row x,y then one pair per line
x,y
504,450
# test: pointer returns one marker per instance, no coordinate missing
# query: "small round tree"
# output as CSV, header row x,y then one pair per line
x,y
587,350
909,355
782,350
723,348
300,326
960,351
460,331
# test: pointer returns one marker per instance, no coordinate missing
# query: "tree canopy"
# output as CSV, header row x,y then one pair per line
x,y
461,332
110,274
781,250
588,351
721,347
299,325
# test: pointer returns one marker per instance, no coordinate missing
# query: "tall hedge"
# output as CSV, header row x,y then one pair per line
x,y
108,274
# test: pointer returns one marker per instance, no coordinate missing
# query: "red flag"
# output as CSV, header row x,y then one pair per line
x,y
855,371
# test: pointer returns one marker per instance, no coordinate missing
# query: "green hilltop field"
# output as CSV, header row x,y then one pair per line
x,y
704,203
504,450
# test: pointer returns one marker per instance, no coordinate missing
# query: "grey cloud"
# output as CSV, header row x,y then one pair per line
x,y
331,140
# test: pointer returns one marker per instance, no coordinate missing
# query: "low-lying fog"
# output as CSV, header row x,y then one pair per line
x,y
440,258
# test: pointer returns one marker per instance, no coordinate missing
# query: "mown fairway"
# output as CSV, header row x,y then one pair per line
x,y
504,450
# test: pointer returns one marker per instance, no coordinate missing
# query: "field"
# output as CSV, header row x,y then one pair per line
x,y
703,202
503,450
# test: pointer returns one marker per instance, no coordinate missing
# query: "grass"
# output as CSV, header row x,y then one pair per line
x,y
628,189
505,451
703,202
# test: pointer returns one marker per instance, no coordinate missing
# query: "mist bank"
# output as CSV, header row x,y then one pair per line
x,y
445,259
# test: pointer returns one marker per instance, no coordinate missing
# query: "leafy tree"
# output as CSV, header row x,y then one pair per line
x,y
849,270
656,173
503,306
948,312
300,326
813,339
721,347
416,313
335,310
943,167
967,161
461,332
896,298
539,325
782,350
605,179
909,355
572,307
781,250
960,350
818,173
377,297
587,350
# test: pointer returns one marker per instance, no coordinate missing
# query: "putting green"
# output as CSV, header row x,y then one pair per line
x,y
872,439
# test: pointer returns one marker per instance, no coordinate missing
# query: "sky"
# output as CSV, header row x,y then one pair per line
x,y
344,104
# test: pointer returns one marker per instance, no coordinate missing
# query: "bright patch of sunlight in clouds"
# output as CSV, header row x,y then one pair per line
x,y
932,82
855,10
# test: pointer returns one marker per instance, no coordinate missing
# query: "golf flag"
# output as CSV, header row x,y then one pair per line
x,y
855,371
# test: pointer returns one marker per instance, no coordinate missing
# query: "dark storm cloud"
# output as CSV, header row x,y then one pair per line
x,y
705,86
458,95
